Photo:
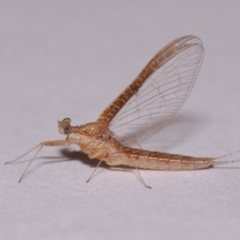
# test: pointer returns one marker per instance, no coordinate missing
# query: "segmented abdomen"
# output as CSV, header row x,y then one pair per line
x,y
158,161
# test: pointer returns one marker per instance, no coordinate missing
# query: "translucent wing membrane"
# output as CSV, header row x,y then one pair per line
x,y
157,94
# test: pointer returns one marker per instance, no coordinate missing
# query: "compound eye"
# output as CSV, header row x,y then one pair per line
x,y
67,130
66,120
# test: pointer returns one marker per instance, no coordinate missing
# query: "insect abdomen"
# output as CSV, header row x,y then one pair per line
x,y
163,161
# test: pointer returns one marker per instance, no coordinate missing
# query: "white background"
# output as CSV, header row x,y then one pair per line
x,y
71,59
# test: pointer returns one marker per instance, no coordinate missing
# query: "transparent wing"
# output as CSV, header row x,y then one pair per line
x,y
162,92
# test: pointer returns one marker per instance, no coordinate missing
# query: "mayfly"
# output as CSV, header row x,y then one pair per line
x,y
140,111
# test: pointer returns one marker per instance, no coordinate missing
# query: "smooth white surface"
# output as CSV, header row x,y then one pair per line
x,y
70,59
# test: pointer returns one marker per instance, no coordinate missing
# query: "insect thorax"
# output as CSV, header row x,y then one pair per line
x,y
95,146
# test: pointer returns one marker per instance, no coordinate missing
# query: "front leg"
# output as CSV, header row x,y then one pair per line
x,y
55,143
40,145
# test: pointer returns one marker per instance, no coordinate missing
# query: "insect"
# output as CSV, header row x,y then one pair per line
x,y
140,111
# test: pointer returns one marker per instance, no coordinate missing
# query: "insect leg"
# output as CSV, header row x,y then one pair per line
x,y
140,177
30,163
94,171
40,145
15,160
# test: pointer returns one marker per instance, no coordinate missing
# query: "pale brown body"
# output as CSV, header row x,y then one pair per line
x,y
171,74
107,148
